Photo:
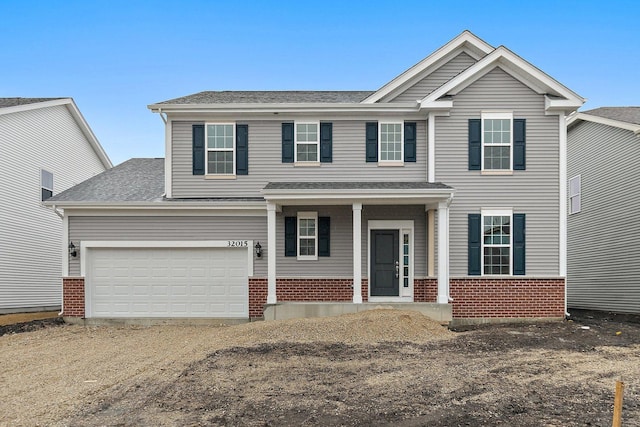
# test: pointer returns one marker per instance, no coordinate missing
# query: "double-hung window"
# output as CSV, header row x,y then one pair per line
x,y
497,141
308,235
496,242
574,195
220,149
307,141
46,185
391,146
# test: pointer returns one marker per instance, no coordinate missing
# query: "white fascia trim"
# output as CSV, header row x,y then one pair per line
x,y
350,196
511,63
477,48
322,108
86,245
177,206
35,106
604,121
258,212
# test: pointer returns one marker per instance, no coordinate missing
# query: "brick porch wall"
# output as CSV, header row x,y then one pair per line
x,y
73,296
507,297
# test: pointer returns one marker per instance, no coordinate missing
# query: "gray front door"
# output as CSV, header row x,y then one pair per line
x,y
384,263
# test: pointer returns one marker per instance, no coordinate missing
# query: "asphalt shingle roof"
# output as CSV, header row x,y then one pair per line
x,y
12,102
136,180
623,114
357,186
262,97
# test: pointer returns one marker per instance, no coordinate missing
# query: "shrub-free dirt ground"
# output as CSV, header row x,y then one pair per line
x,y
383,367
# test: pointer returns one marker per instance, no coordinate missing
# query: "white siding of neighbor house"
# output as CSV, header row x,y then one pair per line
x,y
265,161
434,80
30,242
534,191
603,244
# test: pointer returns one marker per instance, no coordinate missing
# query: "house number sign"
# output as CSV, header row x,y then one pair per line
x,y
237,243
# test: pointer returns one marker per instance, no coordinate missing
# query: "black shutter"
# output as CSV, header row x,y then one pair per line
x,y
198,149
519,144
324,235
519,237
475,144
290,236
410,142
372,141
474,241
242,149
287,143
326,142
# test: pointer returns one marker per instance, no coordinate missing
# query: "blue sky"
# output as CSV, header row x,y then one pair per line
x,y
116,57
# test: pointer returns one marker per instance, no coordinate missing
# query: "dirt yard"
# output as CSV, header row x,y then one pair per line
x,y
383,367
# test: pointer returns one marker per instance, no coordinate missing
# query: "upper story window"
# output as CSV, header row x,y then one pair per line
x,y
46,185
307,235
391,142
497,141
220,139
307,142
575,195
496,242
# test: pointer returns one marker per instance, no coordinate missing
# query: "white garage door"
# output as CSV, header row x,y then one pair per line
x,y
167,282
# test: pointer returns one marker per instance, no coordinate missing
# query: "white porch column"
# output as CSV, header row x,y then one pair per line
x,y
443,252
357,253
271,253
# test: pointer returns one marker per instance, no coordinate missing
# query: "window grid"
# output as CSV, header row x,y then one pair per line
x,y
575,196
307,235
497,142
391,142
496,239
220,148
307,142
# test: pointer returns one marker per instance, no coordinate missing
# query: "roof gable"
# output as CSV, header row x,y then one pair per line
x,y
15,105
466,42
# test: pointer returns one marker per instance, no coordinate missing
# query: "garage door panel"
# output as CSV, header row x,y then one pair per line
x,y
165,282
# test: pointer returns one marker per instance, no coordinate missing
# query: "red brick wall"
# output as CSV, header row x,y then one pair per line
x,y
425,290
73,296
507,297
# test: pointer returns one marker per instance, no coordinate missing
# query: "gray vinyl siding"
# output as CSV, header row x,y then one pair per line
x,y
265,161
603,244
434,80
340,263
31,239
534,191
185,228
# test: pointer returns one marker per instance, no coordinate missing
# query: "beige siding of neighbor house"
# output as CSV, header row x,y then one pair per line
x,y
603,249
434,80
533,191
30,243
265,161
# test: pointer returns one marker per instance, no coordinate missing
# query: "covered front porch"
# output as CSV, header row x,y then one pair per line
x,y
398,218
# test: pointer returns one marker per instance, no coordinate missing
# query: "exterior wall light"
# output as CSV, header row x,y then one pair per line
x,y
73,252
258,248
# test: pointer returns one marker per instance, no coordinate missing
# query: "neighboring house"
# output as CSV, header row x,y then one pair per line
x,y
443,191
604,200
46,147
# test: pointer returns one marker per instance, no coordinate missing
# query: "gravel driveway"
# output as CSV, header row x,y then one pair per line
x,y
379,367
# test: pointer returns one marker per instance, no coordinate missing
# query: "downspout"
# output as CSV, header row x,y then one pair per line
x,y
64,259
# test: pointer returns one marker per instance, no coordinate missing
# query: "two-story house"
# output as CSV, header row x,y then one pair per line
x,y
443,191
46,147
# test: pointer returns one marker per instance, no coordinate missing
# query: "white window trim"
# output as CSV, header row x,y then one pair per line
x,y
295,145
497,116
207,149
496,212
390,162
577,195
42,186
307,215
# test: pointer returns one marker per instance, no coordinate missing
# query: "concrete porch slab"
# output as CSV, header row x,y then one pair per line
x,y
294,310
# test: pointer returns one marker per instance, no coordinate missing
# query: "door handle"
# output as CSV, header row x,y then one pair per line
x,y
397,269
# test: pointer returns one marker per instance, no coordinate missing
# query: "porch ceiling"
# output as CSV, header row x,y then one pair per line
x,y
346,193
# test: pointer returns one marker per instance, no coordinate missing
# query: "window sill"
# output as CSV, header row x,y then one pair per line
x,y
219,177
307,164
496,172
307,258
391,164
